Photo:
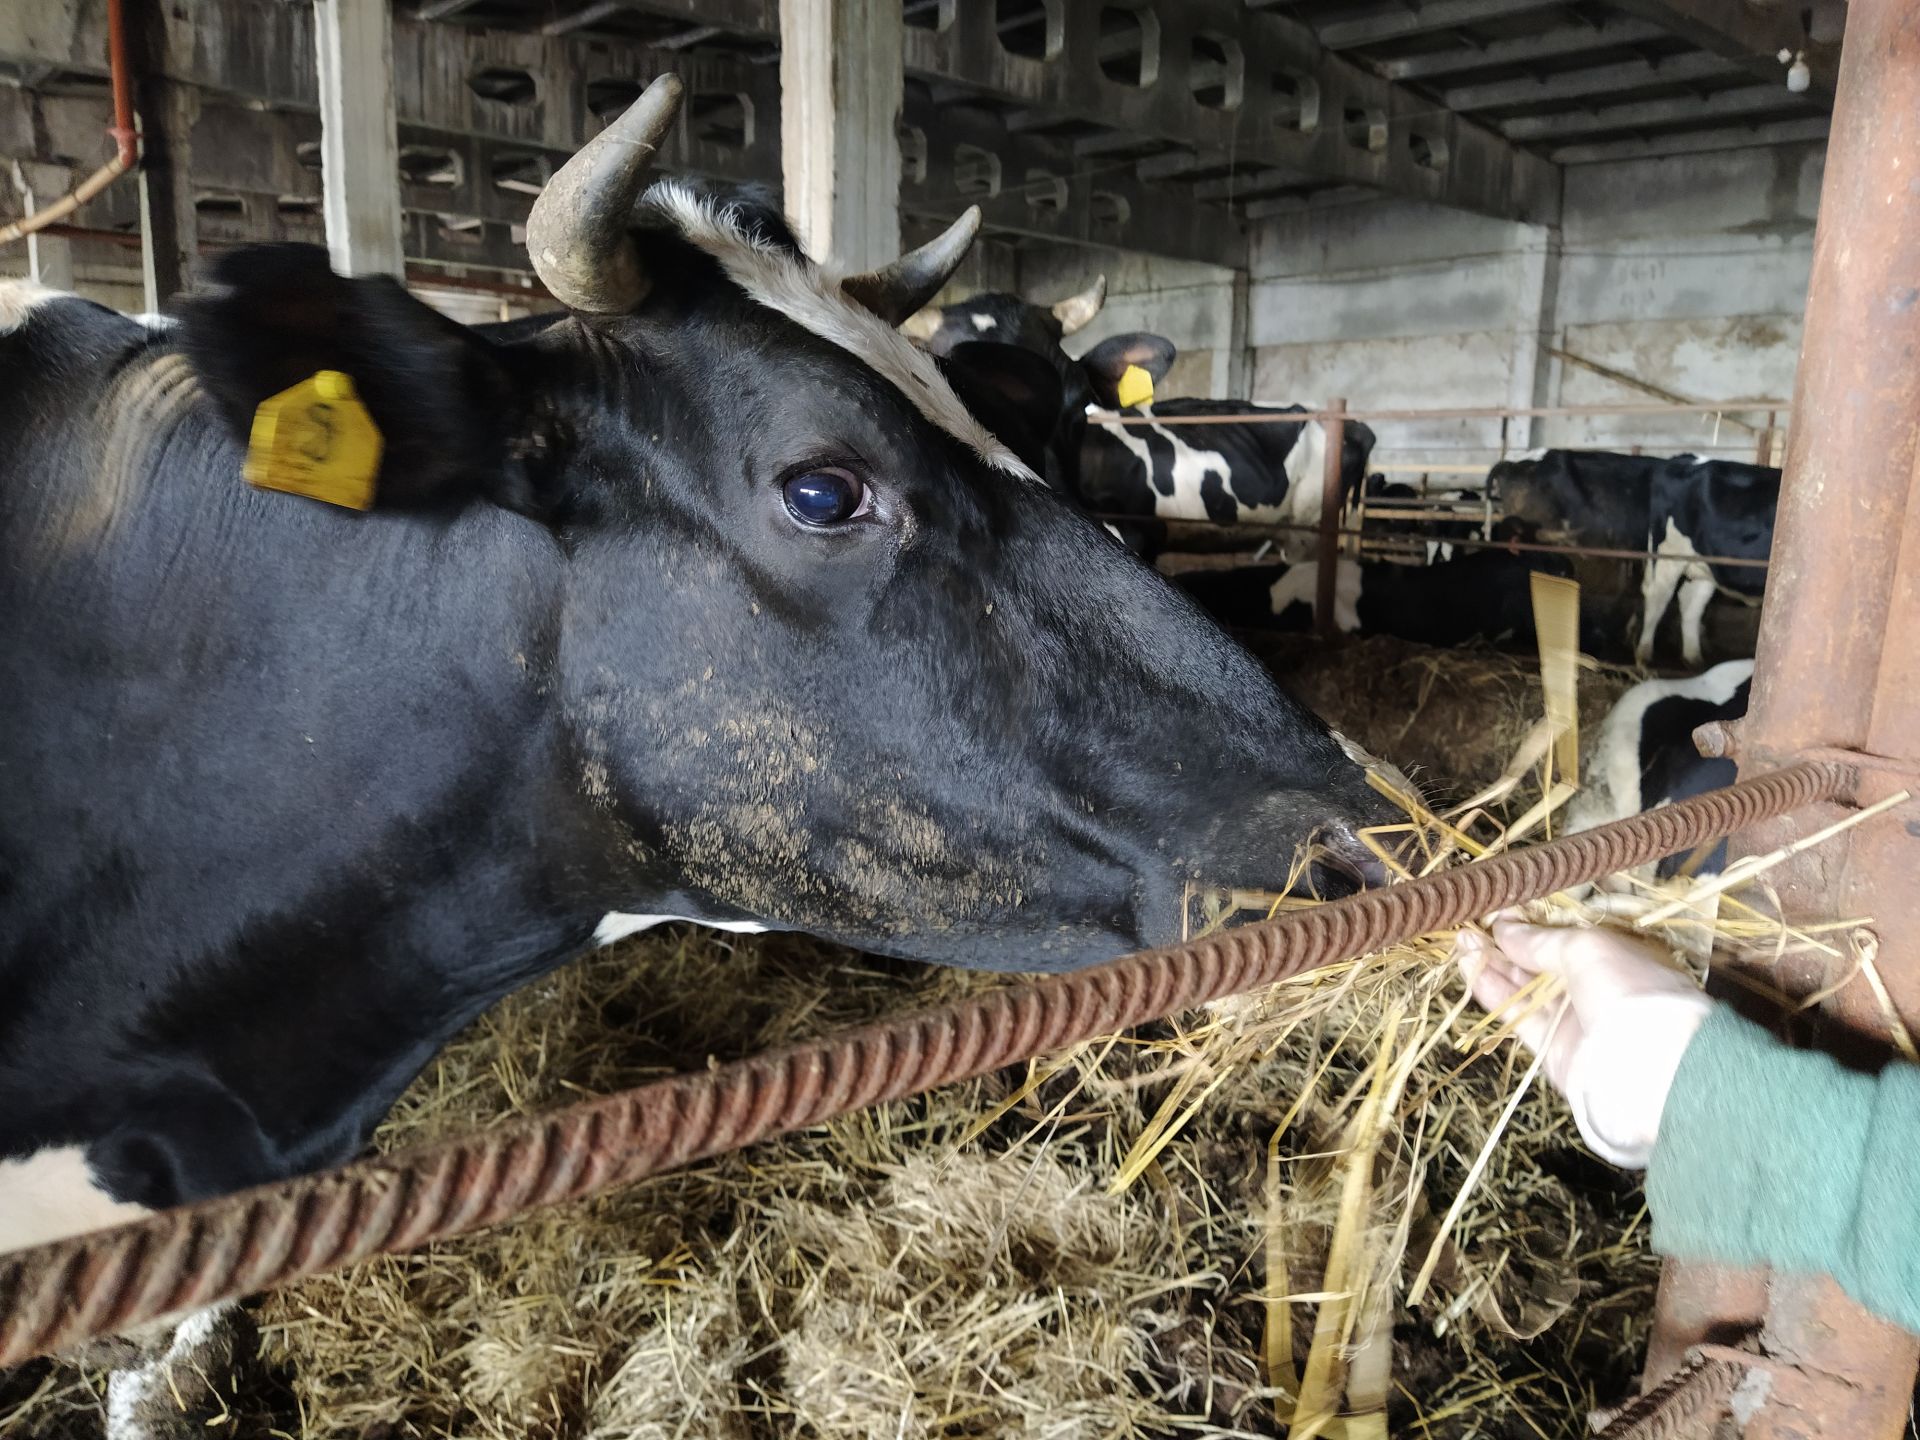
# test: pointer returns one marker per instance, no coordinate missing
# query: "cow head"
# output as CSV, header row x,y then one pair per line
x,y
821,652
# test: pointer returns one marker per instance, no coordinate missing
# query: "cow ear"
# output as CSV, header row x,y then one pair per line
x,y
442,396
1015,393
1108,361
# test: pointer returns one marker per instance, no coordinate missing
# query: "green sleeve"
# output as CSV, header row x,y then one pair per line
x,y
1780,1157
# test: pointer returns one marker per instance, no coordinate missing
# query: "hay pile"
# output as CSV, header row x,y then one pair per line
x,y
1208,1228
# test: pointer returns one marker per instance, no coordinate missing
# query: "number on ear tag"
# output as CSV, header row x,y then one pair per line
x,y
1135,388
316,439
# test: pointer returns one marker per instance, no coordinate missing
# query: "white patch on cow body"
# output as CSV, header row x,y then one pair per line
x,y
1300,586
52,1194
133,1394
984,323
1306,468
617,925
810,297
1676,562
1191,466
157,322
1539,452
19,299
1612,790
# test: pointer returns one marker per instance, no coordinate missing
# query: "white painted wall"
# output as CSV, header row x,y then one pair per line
x,y
1688,272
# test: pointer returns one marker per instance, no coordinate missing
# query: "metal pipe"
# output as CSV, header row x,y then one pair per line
x,y
1470,412
54,1295
1273,530
1332,502
125,139
1834,670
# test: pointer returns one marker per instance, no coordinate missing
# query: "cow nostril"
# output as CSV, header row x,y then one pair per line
x,y
1346,853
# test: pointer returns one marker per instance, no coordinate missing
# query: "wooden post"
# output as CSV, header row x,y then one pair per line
x,y
842,76
359,148
1334,427
1763,448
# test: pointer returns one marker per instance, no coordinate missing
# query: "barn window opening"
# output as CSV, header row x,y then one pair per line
x,y
462,229
976,172
928,14
1366,128
720,117
1429,152
504,85
295,207
1217,68
1129,45
429,165
1296,101
1108,209
913,154
611,96
519,172
307,154
1046,192
1032,29
220,205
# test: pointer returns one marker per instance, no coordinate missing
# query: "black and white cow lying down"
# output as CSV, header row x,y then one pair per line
x,y
1643,755
1482,596
1269,473
1680,508
708,600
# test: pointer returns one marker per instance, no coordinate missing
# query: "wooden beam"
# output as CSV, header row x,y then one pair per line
x,y
1563,85
1554,45
1723,105
359,146
1751,35
1697,142
841,86
1434,15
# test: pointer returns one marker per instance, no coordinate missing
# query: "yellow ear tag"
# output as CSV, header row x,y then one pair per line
x,y
1135,387
316,439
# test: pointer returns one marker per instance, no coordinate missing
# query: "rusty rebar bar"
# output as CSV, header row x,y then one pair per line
x,y
59,1294
1687,1405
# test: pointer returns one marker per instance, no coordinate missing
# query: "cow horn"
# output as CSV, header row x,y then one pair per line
x,y
894,292
579,235
1076,312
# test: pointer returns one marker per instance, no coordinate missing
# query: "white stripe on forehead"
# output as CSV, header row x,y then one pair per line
x,y
812,299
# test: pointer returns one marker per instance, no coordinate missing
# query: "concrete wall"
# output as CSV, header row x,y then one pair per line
x,y
1189,303
1689,273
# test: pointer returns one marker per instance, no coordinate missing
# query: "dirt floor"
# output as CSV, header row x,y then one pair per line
x,y
967,1264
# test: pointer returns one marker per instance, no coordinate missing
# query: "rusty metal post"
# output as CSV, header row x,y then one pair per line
x,y
1837,672
1334,429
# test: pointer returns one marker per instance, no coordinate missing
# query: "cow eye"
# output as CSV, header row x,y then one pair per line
x,y
826,497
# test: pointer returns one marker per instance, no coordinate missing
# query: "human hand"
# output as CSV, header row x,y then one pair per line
x,y
1630,1016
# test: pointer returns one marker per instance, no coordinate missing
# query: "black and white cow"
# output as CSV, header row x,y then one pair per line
x,y
1482,596
709,599
1680,508
1643,755
1437,535
1272,473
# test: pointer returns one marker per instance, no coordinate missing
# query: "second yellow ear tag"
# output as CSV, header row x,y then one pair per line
x,y
316,439
1135,387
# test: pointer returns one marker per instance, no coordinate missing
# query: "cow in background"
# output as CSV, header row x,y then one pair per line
x,y
1485,596
1437,536
1642,755
1225,473
1679,509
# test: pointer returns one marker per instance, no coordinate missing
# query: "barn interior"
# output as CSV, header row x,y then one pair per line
x,y
1482,229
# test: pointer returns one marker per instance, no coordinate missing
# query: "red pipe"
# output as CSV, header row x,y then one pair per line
x,y
126,150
